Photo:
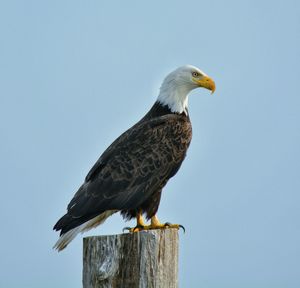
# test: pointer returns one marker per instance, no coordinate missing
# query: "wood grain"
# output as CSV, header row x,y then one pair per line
x,y
147,259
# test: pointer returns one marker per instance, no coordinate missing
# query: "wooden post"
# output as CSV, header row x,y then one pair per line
x,y
147,259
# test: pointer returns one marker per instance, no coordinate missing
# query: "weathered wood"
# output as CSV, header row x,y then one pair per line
x,y
147,259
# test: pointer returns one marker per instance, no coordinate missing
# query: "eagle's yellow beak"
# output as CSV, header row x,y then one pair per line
x,y
206,82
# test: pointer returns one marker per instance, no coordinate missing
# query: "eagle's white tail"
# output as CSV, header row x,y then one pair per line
x,y
66,238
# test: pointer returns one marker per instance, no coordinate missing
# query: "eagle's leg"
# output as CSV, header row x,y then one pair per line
x,y
140,224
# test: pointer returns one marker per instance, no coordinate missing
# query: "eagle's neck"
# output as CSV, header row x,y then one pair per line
x,y
158,110
175,96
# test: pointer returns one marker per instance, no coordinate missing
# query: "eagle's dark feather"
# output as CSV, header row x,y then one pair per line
x,y
130,174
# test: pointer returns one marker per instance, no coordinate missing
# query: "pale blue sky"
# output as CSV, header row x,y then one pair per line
x,y
75,74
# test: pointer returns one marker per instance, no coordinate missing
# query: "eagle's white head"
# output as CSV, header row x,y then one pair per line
x,y
177,85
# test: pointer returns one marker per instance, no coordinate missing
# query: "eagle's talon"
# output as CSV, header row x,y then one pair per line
x,y
182,227
170,225
126,228
137,228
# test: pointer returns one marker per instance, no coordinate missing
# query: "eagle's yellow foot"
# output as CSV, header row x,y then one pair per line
x,y
155,224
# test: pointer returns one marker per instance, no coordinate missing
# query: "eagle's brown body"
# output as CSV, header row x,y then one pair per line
x,y
130,174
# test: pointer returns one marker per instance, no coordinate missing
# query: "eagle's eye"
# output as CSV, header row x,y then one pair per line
x,y
195,74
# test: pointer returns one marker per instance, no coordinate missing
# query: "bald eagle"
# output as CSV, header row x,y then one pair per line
x,y
131,173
